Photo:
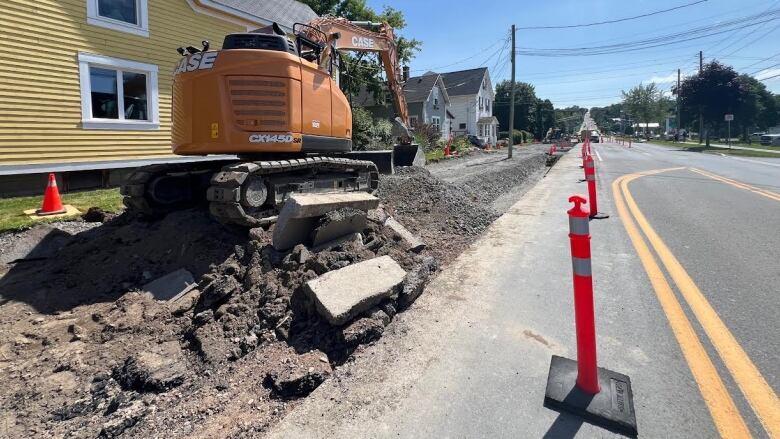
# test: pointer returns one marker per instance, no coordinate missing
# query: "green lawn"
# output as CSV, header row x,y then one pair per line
x,y
12,216
702,148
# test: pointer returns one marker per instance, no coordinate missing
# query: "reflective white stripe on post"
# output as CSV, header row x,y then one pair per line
x,y
579,226
581,266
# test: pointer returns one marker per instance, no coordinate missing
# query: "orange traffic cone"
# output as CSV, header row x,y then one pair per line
x,y
52,204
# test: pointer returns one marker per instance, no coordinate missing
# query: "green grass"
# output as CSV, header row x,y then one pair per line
x,y
12,215
711,150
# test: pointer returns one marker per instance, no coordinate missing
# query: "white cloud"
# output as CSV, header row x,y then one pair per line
x,y
768,73
668,79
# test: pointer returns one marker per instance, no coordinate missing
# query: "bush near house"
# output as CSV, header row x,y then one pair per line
x,y
369,134
519,137
427,136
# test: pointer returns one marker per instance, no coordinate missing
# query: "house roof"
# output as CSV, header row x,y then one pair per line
x,y
464,82
488,120
283,12
416,89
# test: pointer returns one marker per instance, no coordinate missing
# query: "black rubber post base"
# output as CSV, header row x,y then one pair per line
x,y
611,408
599,215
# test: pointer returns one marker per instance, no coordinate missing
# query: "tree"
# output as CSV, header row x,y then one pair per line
x,y
645,103
525,101
716,91
364,70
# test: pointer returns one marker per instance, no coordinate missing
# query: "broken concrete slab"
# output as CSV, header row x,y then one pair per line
x,y
171,286
297,218
413,243
338,223
310,205
342,294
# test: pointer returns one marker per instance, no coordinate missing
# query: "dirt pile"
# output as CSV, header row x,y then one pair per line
x,y
87,356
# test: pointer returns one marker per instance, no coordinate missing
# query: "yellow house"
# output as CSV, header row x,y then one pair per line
x,y
86,84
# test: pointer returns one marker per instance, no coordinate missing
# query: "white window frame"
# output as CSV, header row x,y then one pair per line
x,y
436,121
119,65
142,28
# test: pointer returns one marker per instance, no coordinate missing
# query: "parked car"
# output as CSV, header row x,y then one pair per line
x,y
770,140
756,137
476,141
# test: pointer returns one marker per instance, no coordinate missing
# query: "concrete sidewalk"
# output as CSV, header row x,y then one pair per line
x,y
470,359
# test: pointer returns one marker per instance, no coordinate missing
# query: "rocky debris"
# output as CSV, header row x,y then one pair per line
x,y
299,375
416,280
342,294
300,215
123,419
95,215
336,224
367,328
353,240
171,285
153,371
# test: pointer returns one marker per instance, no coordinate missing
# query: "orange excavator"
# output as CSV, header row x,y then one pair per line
x,y
273,100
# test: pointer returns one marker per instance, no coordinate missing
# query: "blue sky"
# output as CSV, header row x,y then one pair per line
x,y
462,34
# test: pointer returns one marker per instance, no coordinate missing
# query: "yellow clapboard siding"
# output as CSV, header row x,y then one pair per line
x,y
40,96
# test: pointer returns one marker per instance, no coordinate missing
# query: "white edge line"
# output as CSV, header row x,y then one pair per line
x,y
598,155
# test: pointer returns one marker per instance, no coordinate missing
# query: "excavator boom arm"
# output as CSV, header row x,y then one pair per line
x,y
347,35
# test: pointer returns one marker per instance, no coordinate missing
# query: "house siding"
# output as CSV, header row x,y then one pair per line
x,y
432,111
40,100
466,109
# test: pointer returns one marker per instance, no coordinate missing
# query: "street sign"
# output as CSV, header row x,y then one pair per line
x,y
729,117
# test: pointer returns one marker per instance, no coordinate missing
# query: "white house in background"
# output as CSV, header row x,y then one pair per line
x,y
471,103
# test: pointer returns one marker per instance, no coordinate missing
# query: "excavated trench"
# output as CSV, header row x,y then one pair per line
x,y
84,352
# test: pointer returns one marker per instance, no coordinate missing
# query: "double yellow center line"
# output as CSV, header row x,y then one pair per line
x,y
754,387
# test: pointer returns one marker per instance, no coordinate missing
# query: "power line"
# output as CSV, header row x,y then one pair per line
x,y
659,41
613,21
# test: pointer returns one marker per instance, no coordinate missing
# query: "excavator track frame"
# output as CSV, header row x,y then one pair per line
x,y
227,184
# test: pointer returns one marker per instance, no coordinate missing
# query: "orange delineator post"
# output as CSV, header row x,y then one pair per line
x,y
52,203
590,177
447,148
579,238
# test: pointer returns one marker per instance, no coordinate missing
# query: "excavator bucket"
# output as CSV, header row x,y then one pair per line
x,y
406,153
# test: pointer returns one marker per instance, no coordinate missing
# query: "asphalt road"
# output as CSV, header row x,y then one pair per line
x,y
471,358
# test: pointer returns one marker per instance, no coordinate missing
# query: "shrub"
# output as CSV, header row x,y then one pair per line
x,y
427,136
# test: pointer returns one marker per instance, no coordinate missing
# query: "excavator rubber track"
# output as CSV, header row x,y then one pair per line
x,y
227,194
232,191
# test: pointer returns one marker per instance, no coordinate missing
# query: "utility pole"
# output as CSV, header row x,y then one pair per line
x,y
701,118
678,103
512,100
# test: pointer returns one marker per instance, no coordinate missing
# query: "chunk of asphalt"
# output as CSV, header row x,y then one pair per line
x,y
171,286
298,216
342,294
338,223
355,239
411,241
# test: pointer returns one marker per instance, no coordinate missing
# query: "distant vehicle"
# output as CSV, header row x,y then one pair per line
x,y
594,137
756,137
770,140
476,141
